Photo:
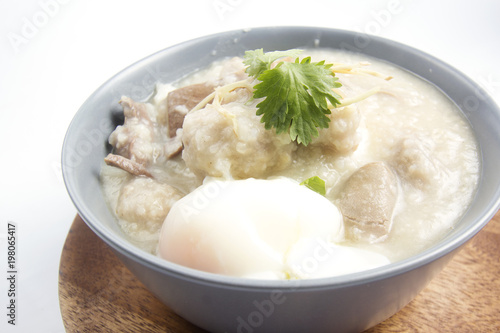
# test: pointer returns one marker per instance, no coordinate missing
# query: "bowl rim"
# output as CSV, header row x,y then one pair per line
x,y
130,251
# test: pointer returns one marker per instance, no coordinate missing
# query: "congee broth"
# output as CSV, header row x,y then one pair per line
x,y
197,178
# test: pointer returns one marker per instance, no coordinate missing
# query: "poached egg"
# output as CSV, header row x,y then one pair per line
x,y
265,229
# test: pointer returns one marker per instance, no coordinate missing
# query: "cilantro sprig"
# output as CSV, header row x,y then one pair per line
x,y
316,184
296,93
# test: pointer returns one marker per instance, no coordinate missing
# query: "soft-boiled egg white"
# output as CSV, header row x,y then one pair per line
x,y
268,229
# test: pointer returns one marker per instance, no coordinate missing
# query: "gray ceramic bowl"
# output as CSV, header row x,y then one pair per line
x,y
216,303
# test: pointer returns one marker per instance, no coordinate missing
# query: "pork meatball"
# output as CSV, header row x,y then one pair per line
x,y
230,141
145,202
342,134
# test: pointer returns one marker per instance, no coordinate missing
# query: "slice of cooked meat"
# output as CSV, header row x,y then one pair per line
x,y
135,139
173,146
367,202
133,109
127,165
181,101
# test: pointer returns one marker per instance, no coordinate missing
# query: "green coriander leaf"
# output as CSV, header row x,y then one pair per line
x,y
258,61
296,95
316,184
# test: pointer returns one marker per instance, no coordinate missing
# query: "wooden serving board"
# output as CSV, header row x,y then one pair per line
x,y
97,293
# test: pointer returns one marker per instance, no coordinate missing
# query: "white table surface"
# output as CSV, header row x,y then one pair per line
x,y
55,53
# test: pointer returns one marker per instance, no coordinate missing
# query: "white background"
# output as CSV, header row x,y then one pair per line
x,y
55,53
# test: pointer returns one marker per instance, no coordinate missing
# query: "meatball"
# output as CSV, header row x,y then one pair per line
x,y
418,164
342,134
230,141
145,202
